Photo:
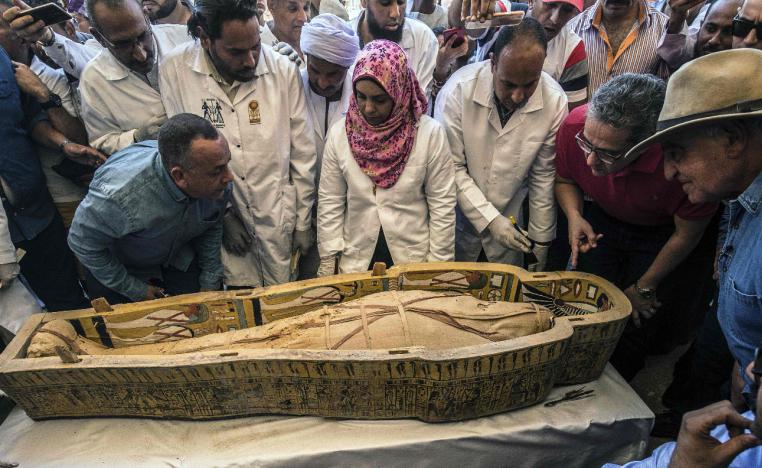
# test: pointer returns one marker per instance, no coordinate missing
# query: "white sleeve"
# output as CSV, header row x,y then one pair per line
x,y
440,196
7,249
471,200
103,131
332,200
303,153
541,180
70,55
424,69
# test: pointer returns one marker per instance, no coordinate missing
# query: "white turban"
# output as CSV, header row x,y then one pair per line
x,y
329,38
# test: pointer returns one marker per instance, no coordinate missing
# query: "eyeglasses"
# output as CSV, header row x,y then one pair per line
x,y
129,44
742,27
607,156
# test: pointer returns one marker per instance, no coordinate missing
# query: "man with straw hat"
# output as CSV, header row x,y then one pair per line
x,y
710,129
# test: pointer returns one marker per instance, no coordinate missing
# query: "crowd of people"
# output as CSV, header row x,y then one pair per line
x,y
170,146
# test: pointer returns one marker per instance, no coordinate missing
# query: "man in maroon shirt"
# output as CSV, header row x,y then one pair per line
x,y
640,226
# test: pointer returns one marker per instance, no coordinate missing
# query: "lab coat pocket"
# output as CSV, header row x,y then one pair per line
x,y
288,208
409,187
418,252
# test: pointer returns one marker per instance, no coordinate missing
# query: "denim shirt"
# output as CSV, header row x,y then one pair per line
x,y
740,266
135,220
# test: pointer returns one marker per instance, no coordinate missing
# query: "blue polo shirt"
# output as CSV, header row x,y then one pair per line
x,y
24,191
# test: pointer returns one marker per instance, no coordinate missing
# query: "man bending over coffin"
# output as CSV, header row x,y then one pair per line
x,y
151,223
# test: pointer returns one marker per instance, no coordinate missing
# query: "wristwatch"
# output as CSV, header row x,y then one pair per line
x,y
646,293
54,100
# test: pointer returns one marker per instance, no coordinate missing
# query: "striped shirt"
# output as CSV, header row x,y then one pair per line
x,y
566,62
636,54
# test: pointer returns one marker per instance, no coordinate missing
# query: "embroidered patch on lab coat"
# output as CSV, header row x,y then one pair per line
x,y
254,117
213,112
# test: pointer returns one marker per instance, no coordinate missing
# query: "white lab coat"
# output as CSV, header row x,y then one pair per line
x,y
16,302
316,105
72,56
497,167
273,159
417,213
115,101
421,46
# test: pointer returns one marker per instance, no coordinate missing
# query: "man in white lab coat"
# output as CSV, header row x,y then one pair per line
x,y
501,118
330,47
380,20
254,97
120,86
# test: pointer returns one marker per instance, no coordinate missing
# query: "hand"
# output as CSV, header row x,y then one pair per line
x,y
696,448
680,8
150,130
8,273
508,236
327,266
30,83
447,55
84,154
473,10
235,237
154,292
642,308
541,252
24,25
286,49
582,238
303,240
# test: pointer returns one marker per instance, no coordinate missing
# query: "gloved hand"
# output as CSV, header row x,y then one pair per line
x,y
508,236
8,273
327,266
541,252
284,48
235,237
303,240
150,130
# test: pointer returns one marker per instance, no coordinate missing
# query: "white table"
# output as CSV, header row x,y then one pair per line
x,y
612,426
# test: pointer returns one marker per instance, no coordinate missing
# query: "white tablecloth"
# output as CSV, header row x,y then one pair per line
x,y
612,426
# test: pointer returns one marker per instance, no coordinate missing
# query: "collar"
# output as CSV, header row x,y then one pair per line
x,y
484,90
594,16
751,198
199,63
408,40
114,70
172,188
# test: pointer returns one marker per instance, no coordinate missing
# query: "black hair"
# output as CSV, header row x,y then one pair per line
x,y
177,135
528,28
210,15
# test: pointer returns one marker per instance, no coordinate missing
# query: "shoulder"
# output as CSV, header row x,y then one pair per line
x,y
576,118
419,30
93,71
171,33
338,131
429,126
180,54
278,63
551,90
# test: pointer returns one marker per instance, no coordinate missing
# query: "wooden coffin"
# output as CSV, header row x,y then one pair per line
x,y
432,385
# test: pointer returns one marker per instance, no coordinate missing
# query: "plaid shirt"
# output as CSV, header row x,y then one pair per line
x,y
636,54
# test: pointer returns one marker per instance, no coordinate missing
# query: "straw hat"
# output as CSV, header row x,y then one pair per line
x,y
719,86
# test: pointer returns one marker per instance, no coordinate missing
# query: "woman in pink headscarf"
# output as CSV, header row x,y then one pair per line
x,y
387,183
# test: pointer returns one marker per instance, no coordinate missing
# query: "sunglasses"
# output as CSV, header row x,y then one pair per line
x,y
742,27
607,156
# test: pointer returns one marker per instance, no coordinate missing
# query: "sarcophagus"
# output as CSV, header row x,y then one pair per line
x,y
327,347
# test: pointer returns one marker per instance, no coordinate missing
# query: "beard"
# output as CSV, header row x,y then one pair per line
x,y
243,75
378,31
164,10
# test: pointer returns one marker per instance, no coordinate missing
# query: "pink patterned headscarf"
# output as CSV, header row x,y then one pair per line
x,y
382,151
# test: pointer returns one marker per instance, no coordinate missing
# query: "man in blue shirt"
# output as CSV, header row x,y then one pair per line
x,y
34,224
151,223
